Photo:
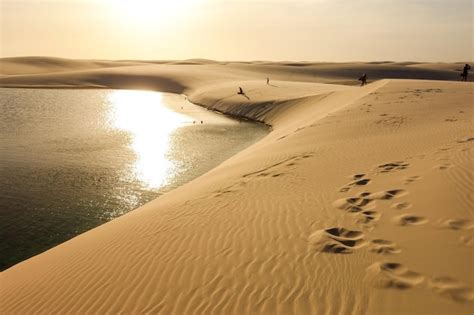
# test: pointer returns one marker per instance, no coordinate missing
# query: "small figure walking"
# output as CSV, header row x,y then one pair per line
x,y
465,72
268,81
241,92
363,79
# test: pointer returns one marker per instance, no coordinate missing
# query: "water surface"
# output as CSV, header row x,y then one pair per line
x,y
71,160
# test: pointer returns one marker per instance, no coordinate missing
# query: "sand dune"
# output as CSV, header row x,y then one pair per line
x,y
358,202
193,73
34,65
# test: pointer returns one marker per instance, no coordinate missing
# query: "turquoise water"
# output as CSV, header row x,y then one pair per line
x,y
71,160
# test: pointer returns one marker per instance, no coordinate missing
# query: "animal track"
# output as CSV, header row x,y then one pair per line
x,y
393,166
428,91
272,171
337,240
384,247
409,220
451,288
393,275
396,121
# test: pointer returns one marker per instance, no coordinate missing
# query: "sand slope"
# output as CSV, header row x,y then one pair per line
x,y
358,202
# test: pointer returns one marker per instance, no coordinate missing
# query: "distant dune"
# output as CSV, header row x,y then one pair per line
x,y
35,65
358,202
58,72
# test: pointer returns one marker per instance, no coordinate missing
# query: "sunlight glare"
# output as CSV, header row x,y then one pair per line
x,y
148,12
150,123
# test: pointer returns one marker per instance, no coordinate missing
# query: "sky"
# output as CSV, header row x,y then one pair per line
x,y
297,30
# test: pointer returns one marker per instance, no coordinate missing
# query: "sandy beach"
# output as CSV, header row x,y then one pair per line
x,y
359,201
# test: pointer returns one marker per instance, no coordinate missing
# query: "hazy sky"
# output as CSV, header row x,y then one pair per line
x,y
316,30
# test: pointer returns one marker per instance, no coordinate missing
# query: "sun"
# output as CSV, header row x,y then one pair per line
x,y
150,11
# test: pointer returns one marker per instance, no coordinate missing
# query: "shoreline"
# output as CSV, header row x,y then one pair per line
x,y
351,197
235,117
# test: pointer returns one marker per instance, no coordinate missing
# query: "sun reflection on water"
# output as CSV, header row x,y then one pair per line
x,y
150,124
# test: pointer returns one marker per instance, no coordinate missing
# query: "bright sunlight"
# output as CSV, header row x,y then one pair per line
x,y
151,12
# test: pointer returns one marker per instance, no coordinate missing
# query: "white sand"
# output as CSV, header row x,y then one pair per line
x,y
360,201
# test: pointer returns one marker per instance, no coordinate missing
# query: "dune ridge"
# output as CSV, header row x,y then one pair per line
x,y
180,76
358,202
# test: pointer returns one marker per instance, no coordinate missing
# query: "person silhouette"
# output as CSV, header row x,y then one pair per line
x,y
240,91
363,79
465,72
268,81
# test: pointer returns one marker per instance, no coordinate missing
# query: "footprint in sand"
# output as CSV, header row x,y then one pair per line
x,y
465,140
383,247
366,200
411,179
388,194
467,241
459,225
456,224
367,219
402,205
354,204
357,180
392,166
344,189
393,275
337,240
360,182
409,220
369,216
444,166
452,289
